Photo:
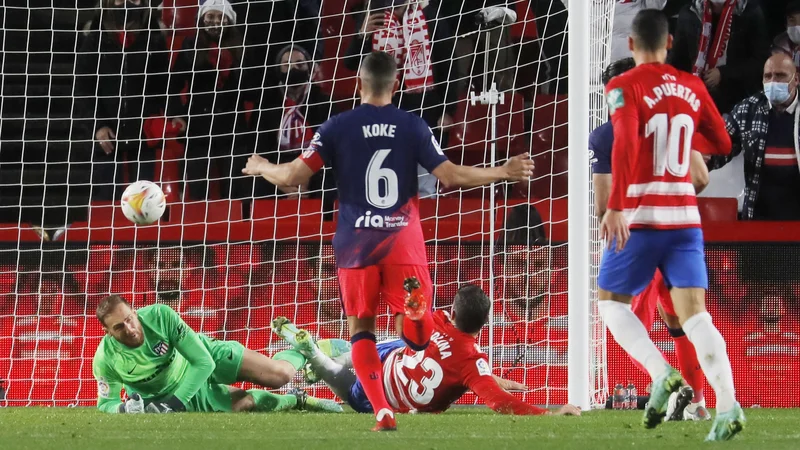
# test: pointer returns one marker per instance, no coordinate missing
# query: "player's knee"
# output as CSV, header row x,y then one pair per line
x,y
285,374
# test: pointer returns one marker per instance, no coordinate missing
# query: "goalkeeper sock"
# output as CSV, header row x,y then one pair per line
x,y
369,369
713,357
688,363
268,402
293,357
417,333
631,335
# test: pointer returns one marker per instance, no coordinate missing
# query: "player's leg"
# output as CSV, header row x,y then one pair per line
x,y
236,363
413,318
360,289
622,275
643,306
684,269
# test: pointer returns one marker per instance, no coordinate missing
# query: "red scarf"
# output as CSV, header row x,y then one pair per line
x,y
709,52
222,60
294,134
410,44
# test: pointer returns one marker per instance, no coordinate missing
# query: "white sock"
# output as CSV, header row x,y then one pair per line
x,y
632,336
713,357
338,377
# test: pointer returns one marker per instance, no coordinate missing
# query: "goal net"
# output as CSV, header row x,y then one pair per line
x,y
95,96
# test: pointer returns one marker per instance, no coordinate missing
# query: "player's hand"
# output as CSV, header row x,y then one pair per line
x,y
133,405
254,164
372,23
712,78
614,226
105,136
518,168
568,410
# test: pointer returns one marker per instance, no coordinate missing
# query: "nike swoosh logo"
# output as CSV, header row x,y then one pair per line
x,y
131,371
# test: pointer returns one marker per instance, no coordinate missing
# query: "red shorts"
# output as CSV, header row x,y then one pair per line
x,y
644,304
363,288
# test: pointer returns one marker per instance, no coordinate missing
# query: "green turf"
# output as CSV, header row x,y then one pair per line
x,y
46,428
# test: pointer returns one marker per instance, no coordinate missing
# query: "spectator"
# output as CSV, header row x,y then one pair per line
x,y
121,79
775,16
724,42
292,112
763,127
208,68
422,46
551,24
624,12
789,41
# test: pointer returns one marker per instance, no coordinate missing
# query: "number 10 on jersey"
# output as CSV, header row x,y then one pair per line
x,y
672,143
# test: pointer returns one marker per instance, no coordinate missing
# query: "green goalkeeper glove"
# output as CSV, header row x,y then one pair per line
x,y
133,405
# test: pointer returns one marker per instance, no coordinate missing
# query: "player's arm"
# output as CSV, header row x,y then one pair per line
x,y
294,173
517,168
109,387
698,171
509,385
601,171
735,133
188,344
712,127
478,377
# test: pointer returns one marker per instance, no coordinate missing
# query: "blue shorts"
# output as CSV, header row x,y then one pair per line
x,y
358,398
678,253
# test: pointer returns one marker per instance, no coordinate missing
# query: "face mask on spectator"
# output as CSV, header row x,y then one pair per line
x,y
214,31
718,2
777,93
295,76
794,34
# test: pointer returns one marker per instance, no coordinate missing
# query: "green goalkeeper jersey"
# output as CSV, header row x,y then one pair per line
x,y
173,360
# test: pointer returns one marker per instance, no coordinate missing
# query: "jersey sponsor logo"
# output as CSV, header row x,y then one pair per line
x,y
483,367
615,100
161,348
368,220
103,388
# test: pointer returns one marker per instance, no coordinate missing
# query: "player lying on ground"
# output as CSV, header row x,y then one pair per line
x,y
375,151
165,366
688,403
653,222
429,380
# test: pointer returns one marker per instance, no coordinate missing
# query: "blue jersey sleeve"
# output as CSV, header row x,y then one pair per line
x,y
321,149
429,152
601,140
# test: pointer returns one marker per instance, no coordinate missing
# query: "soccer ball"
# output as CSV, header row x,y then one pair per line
x,y
143,202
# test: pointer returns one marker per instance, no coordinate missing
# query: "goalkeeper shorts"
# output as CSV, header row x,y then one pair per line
x,y
227,356
678,254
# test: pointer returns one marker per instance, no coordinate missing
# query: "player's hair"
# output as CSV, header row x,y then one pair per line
x,y
792,8
378,72
471,307
107,305
617,67
650,29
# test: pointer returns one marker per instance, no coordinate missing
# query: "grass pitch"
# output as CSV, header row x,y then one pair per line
x,y
460,428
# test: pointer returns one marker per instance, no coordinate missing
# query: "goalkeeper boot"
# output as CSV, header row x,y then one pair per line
x,y
284,328
678,401
727,425
386,421
415,305
309,376
662,387
306,402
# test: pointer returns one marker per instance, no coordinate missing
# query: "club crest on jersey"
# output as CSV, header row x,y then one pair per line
x,y
615,100
161,348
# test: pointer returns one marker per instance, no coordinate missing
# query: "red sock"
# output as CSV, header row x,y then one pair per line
x,y
689,366
369,369
417,333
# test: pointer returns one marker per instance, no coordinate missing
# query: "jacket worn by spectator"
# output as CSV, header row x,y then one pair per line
x,y
747,48
748,126
121,79
439,100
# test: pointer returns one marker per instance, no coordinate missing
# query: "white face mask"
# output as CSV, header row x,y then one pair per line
x,y
718,2
794,34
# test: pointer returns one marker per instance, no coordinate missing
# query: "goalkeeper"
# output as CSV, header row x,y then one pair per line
x,y
165,366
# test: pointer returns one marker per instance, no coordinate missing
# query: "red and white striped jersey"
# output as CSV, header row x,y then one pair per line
x,y
432,379
660,115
